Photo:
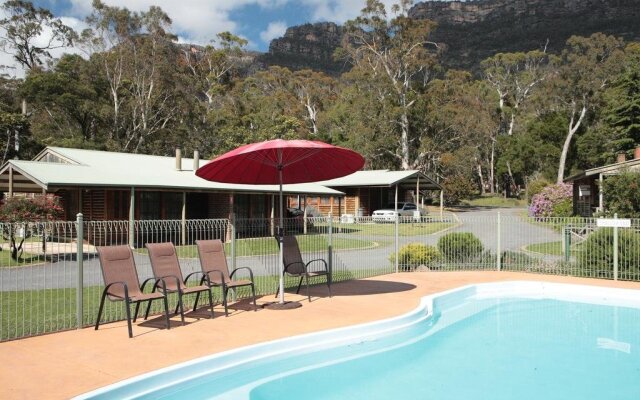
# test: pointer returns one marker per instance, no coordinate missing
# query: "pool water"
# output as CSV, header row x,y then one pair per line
x,y
508,340
504,349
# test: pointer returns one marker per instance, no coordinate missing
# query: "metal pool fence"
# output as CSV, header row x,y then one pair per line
x,y
50,280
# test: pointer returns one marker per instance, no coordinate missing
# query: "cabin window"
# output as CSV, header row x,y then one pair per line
x,y
150,205
172,203
120,205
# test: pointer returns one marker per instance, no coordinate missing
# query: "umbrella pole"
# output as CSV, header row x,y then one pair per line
x,y
281,239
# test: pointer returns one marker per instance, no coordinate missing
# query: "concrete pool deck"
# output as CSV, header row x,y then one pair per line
x,y
61,365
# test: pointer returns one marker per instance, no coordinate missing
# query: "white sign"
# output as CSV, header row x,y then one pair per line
x,y
584,190
613,223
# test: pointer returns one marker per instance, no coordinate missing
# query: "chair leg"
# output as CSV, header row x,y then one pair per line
x,y
253,291
166,311
225,292
210,301
135,314
104,296
195,303
299,284
146,313
180,305
306,279
128,312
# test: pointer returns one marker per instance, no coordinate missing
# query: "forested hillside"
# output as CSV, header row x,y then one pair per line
x,y
517,117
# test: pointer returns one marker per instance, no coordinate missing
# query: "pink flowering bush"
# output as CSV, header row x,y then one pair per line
x,y
16,213
553,201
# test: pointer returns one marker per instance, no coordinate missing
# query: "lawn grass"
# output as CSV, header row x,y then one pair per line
x,y
268,245
388,229
495,201
550,248
25,259
33,312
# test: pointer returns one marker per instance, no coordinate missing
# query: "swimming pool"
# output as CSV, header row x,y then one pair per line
x,y
524,340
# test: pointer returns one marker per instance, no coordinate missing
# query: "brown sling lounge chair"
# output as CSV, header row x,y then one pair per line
x,y
214,267
122,284
294,265
166,268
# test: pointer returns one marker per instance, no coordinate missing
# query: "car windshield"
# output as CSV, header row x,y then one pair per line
x,y
392,206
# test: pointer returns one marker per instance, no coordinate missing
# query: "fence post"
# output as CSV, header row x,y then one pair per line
x,y
397,233
232,220
498,249
567,244
330,245
80,259
615,250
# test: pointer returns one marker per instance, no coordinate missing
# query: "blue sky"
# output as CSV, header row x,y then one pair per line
x,y
198,21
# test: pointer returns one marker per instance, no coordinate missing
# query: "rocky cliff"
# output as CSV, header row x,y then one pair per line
x,y
307,46
474,30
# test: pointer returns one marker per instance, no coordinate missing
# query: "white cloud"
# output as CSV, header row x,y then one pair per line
x,y
274,30
197,21
339,11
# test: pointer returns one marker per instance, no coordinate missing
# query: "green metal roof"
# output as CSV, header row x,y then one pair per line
x,y
610,169
111,169
383,177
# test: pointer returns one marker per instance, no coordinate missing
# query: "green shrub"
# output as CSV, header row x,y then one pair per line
x,y
535,186
413,255
623,195
596,253
563,208
460,246
456,188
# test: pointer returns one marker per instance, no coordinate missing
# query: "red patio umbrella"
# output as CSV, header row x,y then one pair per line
x,y
278,162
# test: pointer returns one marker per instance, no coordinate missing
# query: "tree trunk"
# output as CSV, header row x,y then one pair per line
x,y
511,124
567,142
492,178
482,189
404,140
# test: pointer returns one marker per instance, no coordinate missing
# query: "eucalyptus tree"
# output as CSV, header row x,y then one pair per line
x,y
588,66
362,117
213,67
67,103
395,49
138,59
460,128
259,107
29,33
315,91
515,77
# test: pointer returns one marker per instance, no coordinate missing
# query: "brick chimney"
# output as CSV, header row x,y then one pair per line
x,y
622,157
636,153
178,159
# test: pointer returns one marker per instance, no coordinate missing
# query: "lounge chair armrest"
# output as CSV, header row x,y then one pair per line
x,y
145,283
304,266
126,288
221,276
316,261
241,268
205,277
163,279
